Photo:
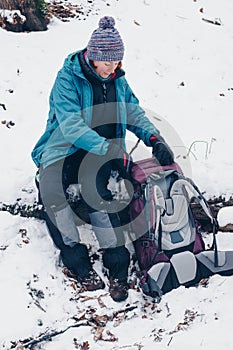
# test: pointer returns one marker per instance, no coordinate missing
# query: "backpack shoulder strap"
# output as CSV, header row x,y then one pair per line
x,y
199,198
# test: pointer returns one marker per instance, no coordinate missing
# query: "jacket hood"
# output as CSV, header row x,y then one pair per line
x,y
72,62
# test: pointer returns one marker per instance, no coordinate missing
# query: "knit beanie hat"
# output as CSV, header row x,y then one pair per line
x,y
105,43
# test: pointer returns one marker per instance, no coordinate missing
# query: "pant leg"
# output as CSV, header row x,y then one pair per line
x,y
106,223
98,197
60,219
117,262
55,202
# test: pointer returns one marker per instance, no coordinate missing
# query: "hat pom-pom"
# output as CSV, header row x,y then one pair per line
x,y
106,22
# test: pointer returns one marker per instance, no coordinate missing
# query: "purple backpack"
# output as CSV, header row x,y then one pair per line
x,y
166,235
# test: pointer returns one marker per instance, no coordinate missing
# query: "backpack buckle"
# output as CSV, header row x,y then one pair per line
x,y
146,244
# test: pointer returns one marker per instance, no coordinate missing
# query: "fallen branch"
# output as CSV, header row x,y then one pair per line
x,y
25,210
226,228
189,317
36,210
217,21
29,344
95,322
215,205
139,346
122,311
168,344
3,106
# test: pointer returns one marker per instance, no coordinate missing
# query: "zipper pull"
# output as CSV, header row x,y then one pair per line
x,y
105,92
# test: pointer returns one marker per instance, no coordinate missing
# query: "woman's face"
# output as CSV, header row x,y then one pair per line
x,y
104,69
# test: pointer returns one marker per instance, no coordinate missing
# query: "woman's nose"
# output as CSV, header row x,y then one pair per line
x,y
112,67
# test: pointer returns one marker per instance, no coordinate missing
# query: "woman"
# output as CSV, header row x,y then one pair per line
x,y
91,106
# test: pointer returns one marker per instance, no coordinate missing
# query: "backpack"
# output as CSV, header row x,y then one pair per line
x,y
167,237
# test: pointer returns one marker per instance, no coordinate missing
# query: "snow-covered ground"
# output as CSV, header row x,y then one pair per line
x,y
180,68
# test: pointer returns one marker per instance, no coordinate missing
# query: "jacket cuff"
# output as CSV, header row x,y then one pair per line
x,y
150,138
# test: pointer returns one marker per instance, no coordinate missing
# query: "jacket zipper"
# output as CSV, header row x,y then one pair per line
x,y
105,92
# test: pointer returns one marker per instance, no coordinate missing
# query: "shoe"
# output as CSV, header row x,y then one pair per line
x,y
118,290
90,283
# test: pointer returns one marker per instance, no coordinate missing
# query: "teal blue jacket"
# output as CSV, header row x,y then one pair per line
x,y
68,126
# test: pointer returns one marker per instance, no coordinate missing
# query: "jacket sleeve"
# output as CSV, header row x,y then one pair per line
x,y
137,121
69,115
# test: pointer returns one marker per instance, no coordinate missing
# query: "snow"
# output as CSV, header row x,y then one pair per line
x,y
225,216
180,67
11,15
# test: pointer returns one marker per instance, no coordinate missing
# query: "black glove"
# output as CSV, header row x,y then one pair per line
x,y
161,151
121,159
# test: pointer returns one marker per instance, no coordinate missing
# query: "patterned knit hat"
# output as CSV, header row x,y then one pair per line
x,y
105,43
